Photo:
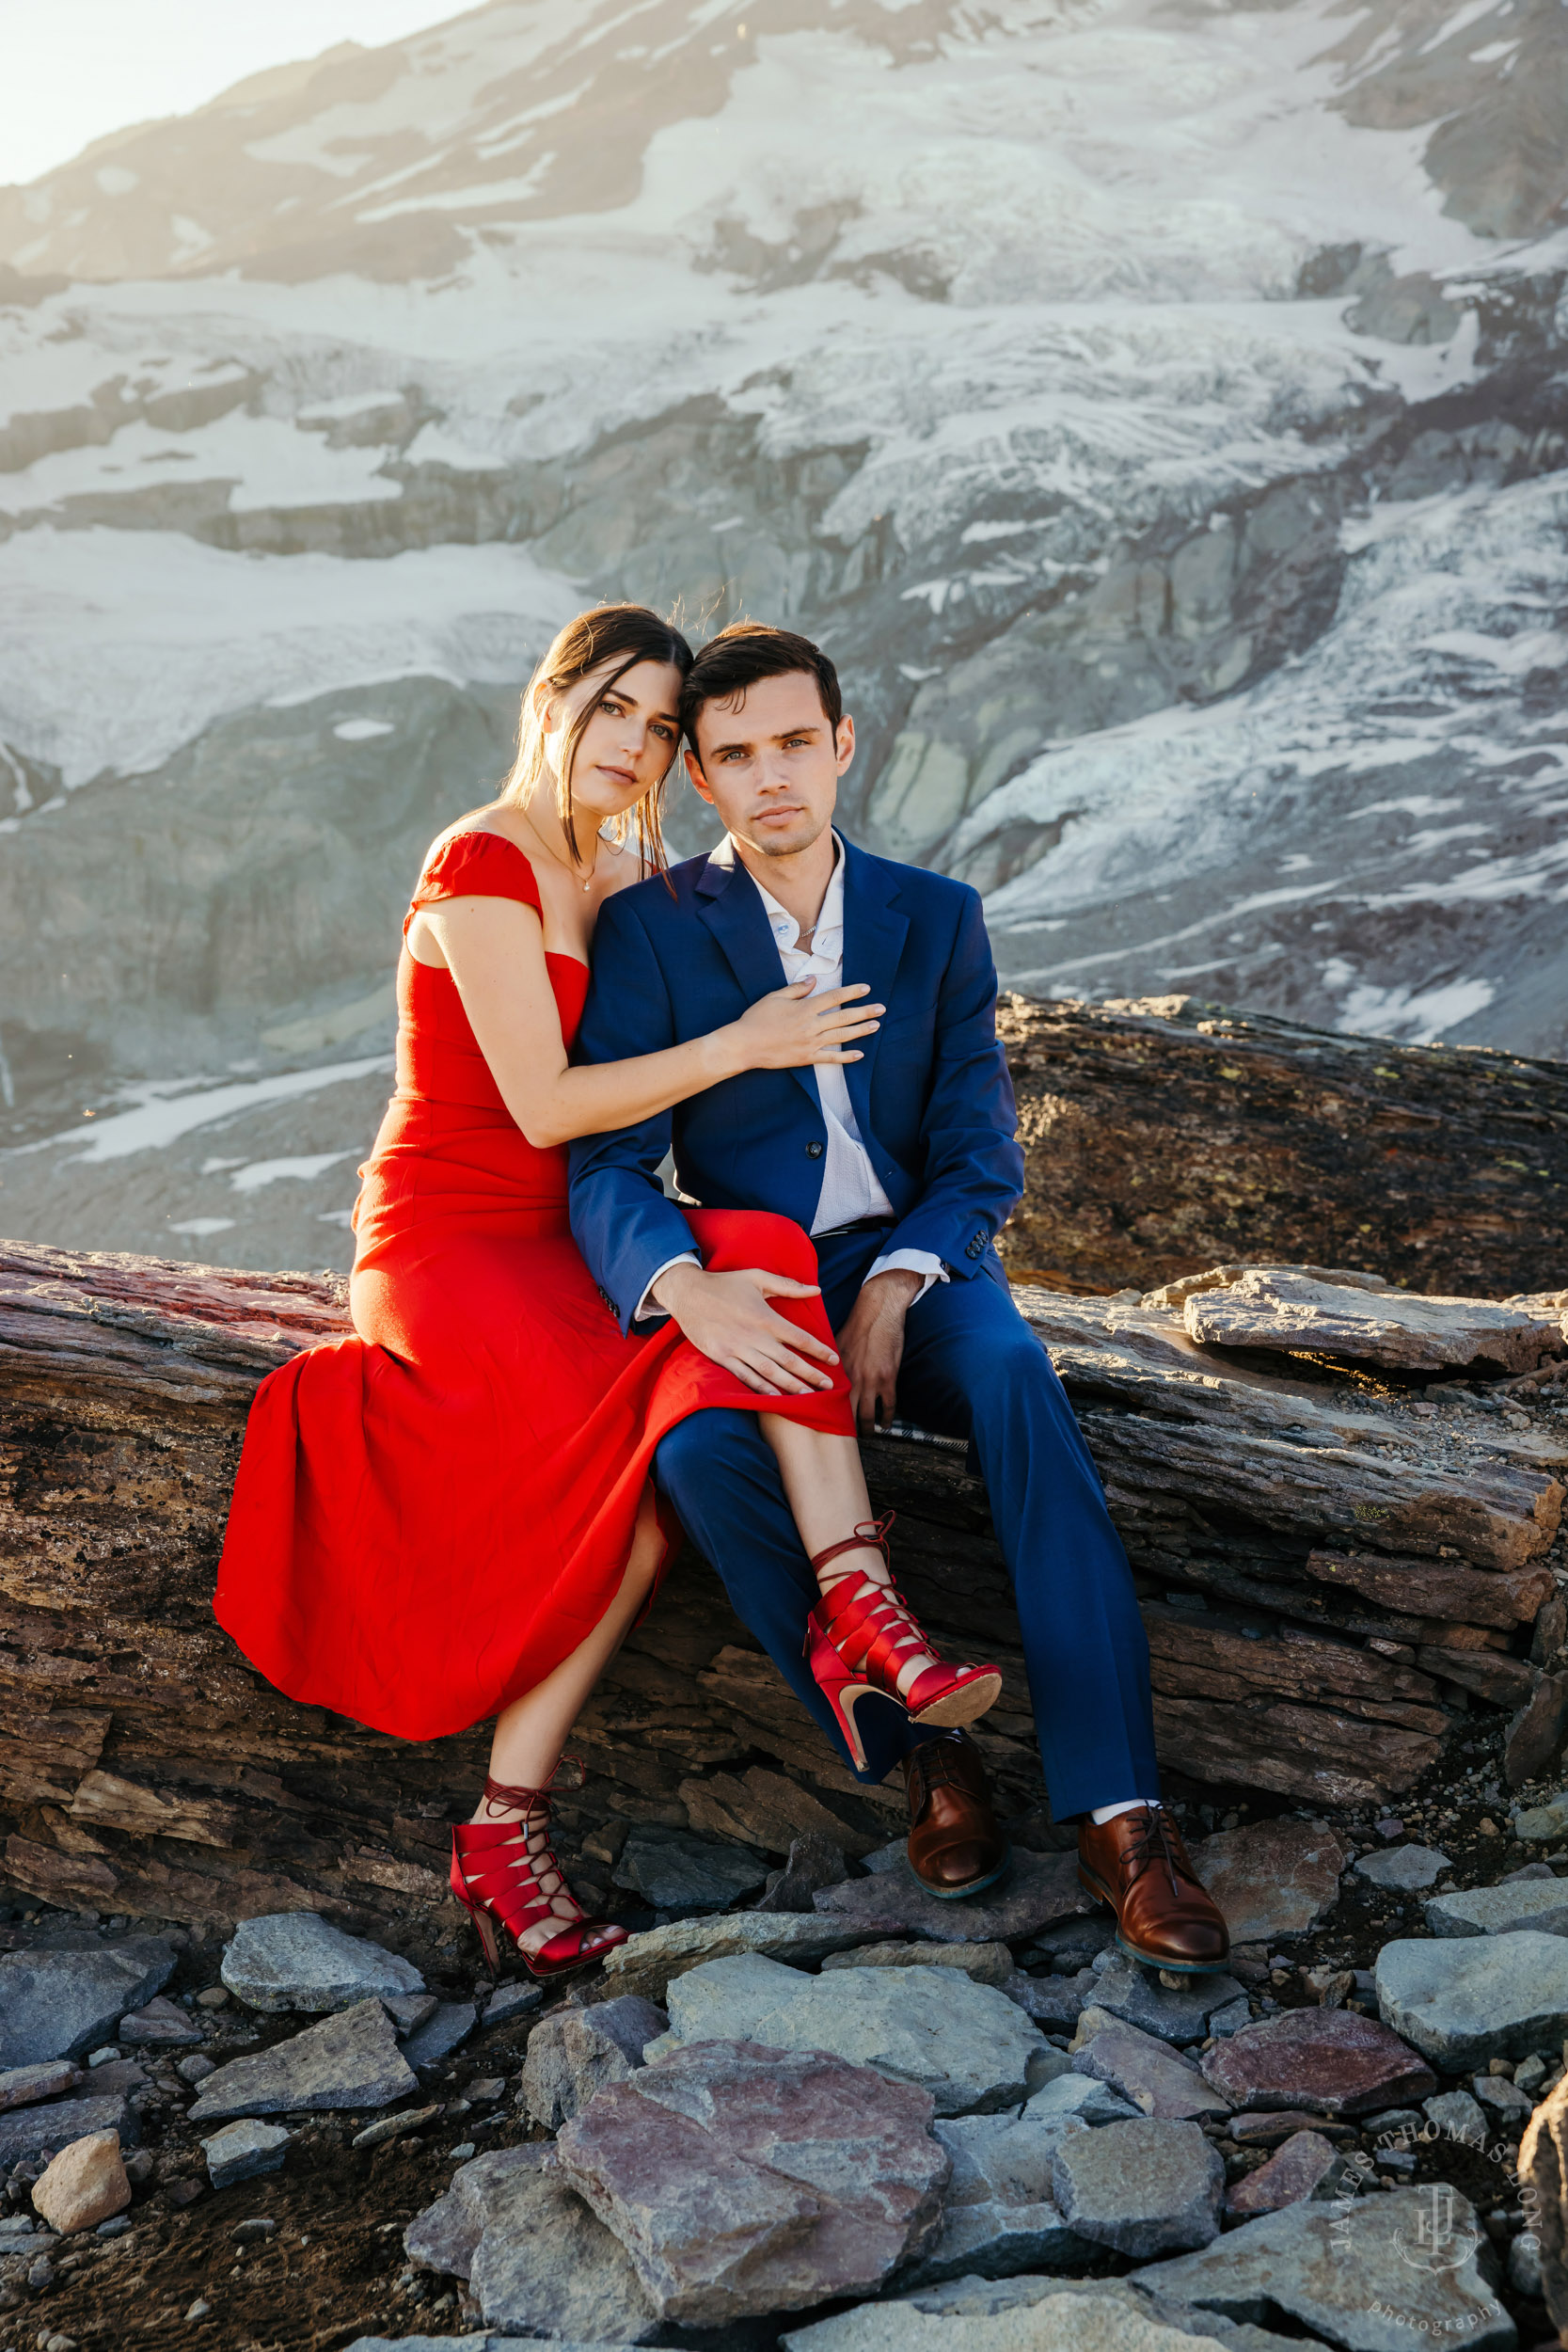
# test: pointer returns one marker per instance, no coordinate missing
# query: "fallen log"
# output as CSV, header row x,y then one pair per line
x,y
146,1770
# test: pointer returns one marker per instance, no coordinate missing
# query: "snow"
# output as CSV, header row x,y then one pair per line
x,y
303,1167
165,1109
361,730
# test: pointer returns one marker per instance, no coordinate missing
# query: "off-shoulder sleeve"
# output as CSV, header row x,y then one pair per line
x,y
477,866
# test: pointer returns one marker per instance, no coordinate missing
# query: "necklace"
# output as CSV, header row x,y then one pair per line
x,y
555,854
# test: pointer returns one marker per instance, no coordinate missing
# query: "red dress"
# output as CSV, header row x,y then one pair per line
x,y
430,1517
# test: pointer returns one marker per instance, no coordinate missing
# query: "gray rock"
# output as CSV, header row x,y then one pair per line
x,y
576,2051
1403,1868
243,2150
815,1861
1002,2159
298,1959
1359,2272
966,2043
1285,1309
987,1963
1272,1878
509,2002
408,2010
675,1869
1456,2114
1502,2099
649,1963
1038,1889
745,2180
1469,1999
997,2241
433,2344
350,2059
23,2085
1540,1903
1081,2095
162,2025
1538,1822
1524,2267
1177,2014
406,2121
56,2005
1157,2081
1072,1944
529,2251
1054,2003
446,2029
1224,2021
1026,2314
1141,2188
28,2130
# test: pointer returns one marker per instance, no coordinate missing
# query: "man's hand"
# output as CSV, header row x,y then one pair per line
x,y
727,1317
872,1345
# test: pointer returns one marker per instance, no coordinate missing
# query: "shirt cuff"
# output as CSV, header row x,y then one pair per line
x,y
647,1311
919,1261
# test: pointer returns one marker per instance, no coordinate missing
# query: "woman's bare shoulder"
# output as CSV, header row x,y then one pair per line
x,y
624,867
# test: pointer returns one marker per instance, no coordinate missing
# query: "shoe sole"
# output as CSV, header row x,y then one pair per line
x,y
962,1706
976,1887
1135,1951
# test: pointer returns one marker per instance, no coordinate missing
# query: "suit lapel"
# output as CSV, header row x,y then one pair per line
x,y
874,935
728,903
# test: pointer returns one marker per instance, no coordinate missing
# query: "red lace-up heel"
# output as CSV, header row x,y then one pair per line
x,y
861,1635
500,1874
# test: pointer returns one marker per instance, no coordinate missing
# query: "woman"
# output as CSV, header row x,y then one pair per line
x,y
450,1517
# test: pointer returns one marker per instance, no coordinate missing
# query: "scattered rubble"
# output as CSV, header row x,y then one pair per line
x,y
298,1959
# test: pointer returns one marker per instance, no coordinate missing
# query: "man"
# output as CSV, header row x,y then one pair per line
x,y
903,1166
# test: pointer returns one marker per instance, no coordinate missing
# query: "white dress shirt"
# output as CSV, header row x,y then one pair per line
x,y
851,1191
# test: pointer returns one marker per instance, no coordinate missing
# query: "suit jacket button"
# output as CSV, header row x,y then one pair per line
x,y
813,1151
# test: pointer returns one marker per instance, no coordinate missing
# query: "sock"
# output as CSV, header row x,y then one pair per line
x,y
1129,1804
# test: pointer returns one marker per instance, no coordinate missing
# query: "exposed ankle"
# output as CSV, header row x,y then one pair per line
x,y
865,1559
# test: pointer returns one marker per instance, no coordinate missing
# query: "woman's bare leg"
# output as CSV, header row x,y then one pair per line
x,y
531,1732
825,1488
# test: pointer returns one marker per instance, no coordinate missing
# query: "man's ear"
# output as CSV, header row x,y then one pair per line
x,y
843,742
698,782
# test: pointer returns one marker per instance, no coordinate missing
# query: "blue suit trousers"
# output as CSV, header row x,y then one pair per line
x,y
971,1369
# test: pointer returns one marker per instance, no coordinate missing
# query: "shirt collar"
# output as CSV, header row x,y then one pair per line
x,y
786,930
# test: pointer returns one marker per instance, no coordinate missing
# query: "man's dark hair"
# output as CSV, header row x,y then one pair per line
x,y
742,654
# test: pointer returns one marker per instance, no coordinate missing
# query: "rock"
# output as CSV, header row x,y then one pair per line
x,y
1538,1822
1525,2274
1298,2169
998,2217
350,2059
1177,2014
1469,1999
1070,1944
1544,2183
1405,1330
1155,2079
1330,2059
195,2068
1026,2314
27,2131
83,2185
1403,1867
387,2127
1229,2019
533,2257
1054,2003
987,1964
298,1959
1457,2115
576,2051
444,2030
1141,2188
1272,1878
56,2005
1038,1889
23,2085
1362,2273
674,1870
1535,1735
1081,2095
161,2023
122,2074
1271,2131
764,1809
649,1963
745,2180
1506,2101
1540,1903
242,2150
966,2043
408,2010
509,2002
815,1861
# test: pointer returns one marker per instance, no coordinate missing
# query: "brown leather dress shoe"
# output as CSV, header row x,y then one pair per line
x,y
1138,1864
956,1844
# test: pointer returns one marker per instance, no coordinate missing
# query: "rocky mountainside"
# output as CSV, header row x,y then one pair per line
x,y
1155,407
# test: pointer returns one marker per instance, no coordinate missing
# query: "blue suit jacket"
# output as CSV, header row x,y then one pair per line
x,y
932,1097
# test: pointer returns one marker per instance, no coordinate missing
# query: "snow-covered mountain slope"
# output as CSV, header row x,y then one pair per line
x,y
1156,405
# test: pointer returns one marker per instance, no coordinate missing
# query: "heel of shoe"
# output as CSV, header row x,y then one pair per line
x,y
484,1926
841,1690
